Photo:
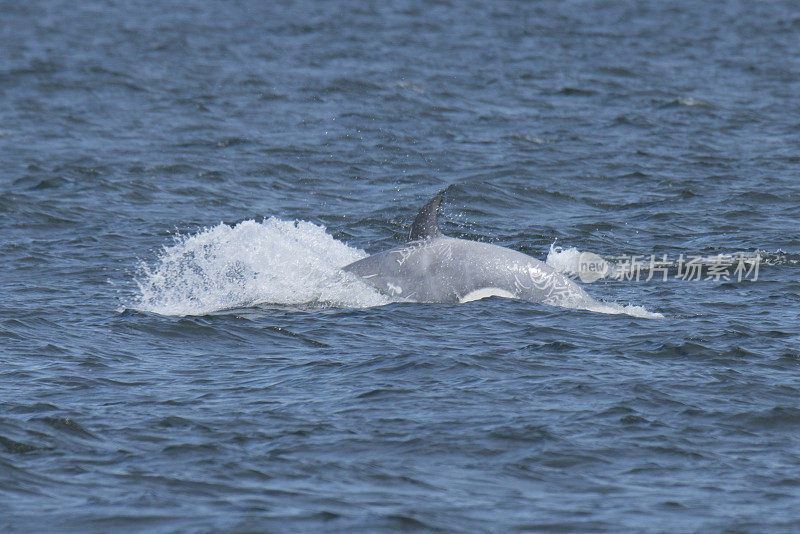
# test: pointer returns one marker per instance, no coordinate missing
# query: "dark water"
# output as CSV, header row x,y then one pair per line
x,y
237,387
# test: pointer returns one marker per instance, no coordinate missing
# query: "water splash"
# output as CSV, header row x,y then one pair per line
x,y
274,261
564,260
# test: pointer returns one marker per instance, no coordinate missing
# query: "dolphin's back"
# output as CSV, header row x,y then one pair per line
x,y
445,269
411,272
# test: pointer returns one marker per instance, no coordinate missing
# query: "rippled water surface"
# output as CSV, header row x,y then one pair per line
x,y
181,185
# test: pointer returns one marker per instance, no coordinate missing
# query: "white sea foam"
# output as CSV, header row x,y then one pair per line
x,y
564,260
627,309
281,262
569,261
274,261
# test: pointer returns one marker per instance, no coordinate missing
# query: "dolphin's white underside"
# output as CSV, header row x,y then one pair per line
x,y
486,292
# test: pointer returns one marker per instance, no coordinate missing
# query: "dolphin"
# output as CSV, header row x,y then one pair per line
x,y
432,267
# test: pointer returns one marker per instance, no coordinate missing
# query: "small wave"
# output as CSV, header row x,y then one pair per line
x,y
689,101
613,308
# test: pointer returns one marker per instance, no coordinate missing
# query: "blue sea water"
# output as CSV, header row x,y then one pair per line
x,y
180,184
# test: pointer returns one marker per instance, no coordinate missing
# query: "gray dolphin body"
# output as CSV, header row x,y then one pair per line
x,y
432,267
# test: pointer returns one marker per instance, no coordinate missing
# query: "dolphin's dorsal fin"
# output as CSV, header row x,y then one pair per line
x,y
426,224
